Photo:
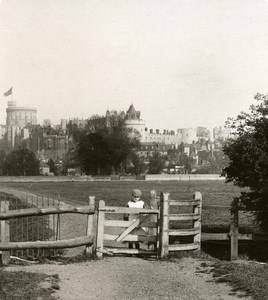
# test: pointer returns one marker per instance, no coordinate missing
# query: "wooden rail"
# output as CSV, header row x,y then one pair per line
x,y
71,243
233,235
6,215
29,212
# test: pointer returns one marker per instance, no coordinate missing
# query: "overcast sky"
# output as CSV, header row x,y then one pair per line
x,y
182,63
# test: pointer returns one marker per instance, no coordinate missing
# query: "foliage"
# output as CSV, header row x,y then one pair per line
x,y
248,154
137,165
2,161
156,163
20,163
105,144
186,161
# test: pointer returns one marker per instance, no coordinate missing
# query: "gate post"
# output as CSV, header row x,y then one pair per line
x,y
154,217
100,229
5,234
234,230
164,225
90,227
197,224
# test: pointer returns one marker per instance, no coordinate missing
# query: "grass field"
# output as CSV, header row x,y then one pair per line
x,y
118,192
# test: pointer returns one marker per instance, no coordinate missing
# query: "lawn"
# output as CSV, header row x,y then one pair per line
x,y
118,192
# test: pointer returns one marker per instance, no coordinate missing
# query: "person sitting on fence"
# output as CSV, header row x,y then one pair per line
x,y
136,202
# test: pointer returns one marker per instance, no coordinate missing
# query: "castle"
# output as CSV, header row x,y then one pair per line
x,y
169,137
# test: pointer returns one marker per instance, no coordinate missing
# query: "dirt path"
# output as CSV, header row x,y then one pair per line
x,y
134,278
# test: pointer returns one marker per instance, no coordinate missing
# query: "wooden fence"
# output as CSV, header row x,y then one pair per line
x,y
233,235
170,225
6,216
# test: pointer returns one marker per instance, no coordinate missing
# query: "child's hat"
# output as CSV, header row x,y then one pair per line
x,y
136,193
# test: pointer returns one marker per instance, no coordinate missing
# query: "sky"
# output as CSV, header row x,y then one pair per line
x,y
182,63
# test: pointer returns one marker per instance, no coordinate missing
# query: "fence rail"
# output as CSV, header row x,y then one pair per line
x,y
233,235
31,231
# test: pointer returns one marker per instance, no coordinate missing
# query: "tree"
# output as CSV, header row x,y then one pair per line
x,y
138,165
106,144
20,163
186,161
156,163
248,154
2,161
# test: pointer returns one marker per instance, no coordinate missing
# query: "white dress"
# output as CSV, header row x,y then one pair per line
x,y
133,217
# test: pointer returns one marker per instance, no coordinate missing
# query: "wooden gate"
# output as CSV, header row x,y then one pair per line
x,y
114,234
154,228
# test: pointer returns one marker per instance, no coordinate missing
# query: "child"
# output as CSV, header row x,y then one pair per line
x,y
136,202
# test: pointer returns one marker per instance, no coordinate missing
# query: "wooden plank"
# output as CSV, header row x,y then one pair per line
x,y
164,225
124,224
128,251
184,202
100,228
182,247
184,217
184,232
71,243
46,211
4,234
215,236
153,231
133,225
127,210
197,222
90,231
131,238
216,207
226,236
234,230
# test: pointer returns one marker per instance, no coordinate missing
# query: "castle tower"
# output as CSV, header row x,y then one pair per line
x,y
17,118
133,121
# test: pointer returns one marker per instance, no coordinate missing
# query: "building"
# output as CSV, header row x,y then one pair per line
x,y
220,133
17,118
133,120
188,135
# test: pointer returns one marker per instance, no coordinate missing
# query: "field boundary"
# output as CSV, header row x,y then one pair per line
x,y
148,177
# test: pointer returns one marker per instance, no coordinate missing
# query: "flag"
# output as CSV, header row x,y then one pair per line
x,y
9,92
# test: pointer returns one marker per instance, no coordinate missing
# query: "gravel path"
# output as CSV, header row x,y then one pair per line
x,y
134,278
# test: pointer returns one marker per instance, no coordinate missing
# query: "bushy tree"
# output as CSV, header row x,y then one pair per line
x,y
137,163
2,161
106,144
156,163
20,163
248,154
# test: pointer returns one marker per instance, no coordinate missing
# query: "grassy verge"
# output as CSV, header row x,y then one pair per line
x,y
248,277
22,285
